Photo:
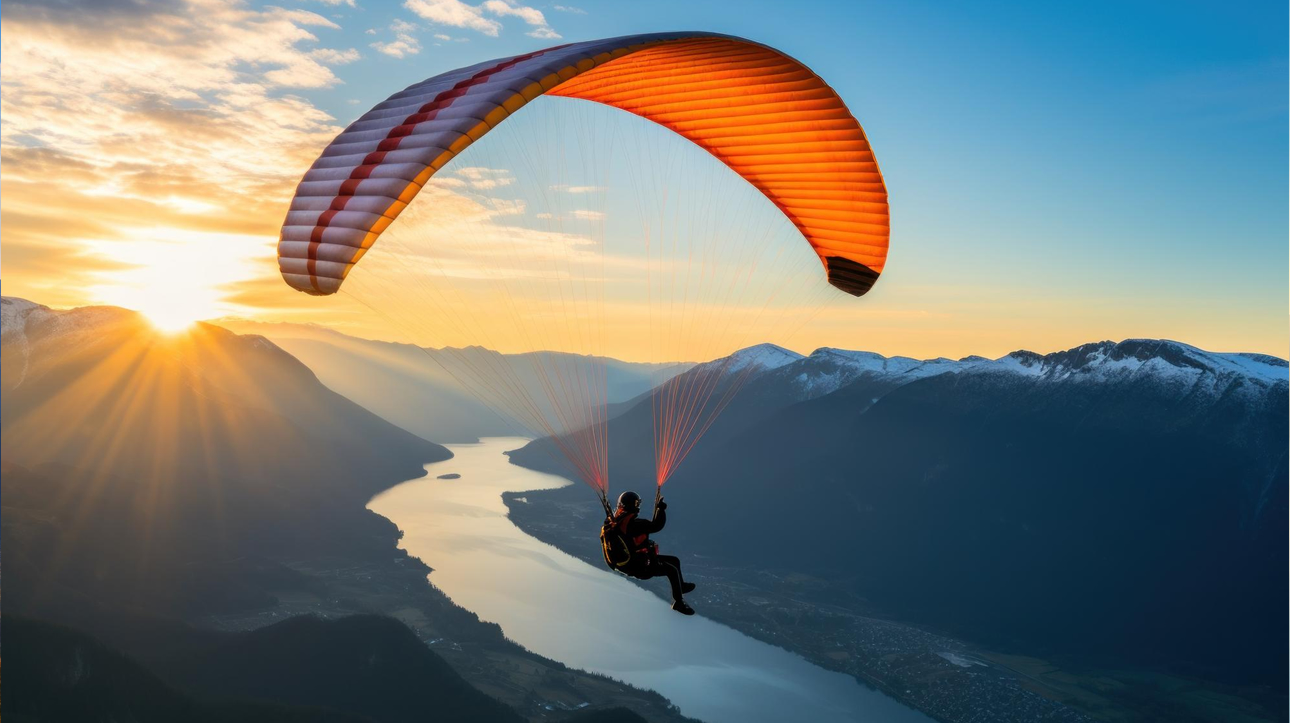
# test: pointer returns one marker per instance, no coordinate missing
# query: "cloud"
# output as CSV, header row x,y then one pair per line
x,y
577,189
569,9
335,3
404,43
454,13
532,16
181,119
483,17
88,10
501,9
483,179
331,56
545,33
508,206
447,232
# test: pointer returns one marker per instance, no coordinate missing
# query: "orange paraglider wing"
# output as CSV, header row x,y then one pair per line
x,y
762,113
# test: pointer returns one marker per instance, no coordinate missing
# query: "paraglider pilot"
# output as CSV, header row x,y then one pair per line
x,y
644,561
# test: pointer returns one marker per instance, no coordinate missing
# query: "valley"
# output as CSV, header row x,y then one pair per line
x,y
934,672
251,515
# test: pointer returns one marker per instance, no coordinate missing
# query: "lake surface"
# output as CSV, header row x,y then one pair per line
x,y
590,618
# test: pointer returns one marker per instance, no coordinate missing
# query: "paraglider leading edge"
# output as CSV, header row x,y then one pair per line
x,y
763,114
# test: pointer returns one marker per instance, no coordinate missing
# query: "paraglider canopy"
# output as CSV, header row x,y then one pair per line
x,y
783,132
760,112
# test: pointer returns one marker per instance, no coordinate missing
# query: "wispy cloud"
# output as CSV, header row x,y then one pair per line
x,y
174,118
469,235
454,13
482,18
480,178
331,56
532,16
404,43
577,189
569,9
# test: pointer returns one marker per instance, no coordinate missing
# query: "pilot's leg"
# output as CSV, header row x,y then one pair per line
x,y
670,566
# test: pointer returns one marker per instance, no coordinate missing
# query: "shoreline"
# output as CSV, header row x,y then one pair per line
x,y
794,612
721,671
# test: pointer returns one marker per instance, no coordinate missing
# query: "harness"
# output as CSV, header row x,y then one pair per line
x,y
622,552
640,544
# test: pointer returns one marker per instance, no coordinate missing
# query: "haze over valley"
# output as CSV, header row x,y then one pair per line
x,y
182,498
920,525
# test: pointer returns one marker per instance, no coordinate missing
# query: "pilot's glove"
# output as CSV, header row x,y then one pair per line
x,y
662,505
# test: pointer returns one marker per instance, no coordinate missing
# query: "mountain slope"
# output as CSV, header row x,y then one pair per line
x,y
1116,499
53,673
133,458
360,664
210,478
422,390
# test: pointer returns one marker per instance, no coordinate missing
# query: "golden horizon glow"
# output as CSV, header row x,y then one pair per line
x,y
155,176
173,277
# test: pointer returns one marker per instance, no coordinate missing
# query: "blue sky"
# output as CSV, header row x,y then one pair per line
x,y
1058,173
1105,154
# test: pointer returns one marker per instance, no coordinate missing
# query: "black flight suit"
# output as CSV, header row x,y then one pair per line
x,y
646,562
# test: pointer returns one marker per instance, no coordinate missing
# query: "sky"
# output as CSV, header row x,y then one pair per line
x,y
1058,173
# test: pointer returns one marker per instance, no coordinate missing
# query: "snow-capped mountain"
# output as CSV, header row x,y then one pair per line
x,y
1162,359
751,360
1135,491
827,370
772,378
1158,361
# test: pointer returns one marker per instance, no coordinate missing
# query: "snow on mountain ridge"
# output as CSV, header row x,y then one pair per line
x,y
1160,358
829,369
14,313
767,356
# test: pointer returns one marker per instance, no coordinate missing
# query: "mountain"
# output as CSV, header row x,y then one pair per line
x,y
360,664
132,456
429,391
360,668
53,673
1123,501
160,488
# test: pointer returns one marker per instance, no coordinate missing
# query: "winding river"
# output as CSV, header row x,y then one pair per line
x,y
589,618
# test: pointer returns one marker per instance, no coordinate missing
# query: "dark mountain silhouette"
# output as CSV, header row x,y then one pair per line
x,y
1125,501
153,481
422,390
357,668
54,674
133,459
361,664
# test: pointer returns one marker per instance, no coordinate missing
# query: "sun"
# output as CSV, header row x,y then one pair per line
x,y
170,296
176,277
168,307
172,319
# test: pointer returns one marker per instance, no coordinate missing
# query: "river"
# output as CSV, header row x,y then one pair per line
x,y
590,618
